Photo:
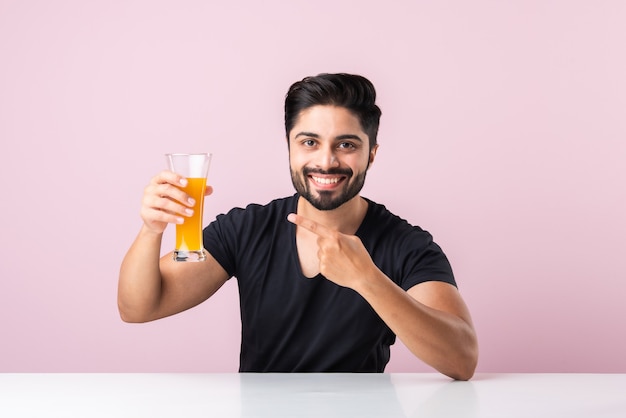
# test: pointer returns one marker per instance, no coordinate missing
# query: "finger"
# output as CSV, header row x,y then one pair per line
x,y
152,215
169,177
170,185
165,203
170,192
312,226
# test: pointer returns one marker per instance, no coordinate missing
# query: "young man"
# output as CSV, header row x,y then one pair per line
x,y
327,279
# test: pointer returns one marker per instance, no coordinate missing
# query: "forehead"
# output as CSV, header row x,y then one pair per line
x,y
327,120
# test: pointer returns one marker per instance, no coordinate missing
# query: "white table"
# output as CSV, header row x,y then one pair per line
x,y
312,395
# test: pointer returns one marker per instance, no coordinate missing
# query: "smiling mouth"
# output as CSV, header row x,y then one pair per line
x,y
326,183
326,180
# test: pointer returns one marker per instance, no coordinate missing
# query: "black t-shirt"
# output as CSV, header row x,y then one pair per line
x,y
291,323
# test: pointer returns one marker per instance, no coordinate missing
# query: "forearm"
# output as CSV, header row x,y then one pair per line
x,y
139,287
441,339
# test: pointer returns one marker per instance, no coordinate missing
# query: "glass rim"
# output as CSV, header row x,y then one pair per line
x,y
174,154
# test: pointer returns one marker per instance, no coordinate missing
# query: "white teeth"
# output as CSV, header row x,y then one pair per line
x,y
325,180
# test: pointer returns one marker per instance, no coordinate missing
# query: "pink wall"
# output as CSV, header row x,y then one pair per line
x,y
503,133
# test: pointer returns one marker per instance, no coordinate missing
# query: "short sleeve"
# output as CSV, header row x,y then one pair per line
x,y
220,240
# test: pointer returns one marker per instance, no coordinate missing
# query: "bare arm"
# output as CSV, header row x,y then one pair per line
x,y
431,318
150,287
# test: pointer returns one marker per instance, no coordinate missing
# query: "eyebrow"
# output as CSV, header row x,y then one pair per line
x,y
311,134
337,138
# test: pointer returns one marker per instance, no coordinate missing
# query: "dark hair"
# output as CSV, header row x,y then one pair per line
x,y
353,92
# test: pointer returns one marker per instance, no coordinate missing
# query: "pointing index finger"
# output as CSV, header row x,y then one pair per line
x,y
306,223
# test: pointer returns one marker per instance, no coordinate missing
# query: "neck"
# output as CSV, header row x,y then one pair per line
x,y
346,219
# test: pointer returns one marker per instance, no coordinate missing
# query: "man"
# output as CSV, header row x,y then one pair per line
x,y
327,279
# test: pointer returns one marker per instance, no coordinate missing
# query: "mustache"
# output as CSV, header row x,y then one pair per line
x,y
333,171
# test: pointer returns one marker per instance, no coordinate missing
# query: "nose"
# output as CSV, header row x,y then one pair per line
x,y
328,158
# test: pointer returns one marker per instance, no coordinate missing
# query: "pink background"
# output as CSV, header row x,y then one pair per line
x,y
503,134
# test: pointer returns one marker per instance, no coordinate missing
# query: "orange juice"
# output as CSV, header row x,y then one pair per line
x,y
189,233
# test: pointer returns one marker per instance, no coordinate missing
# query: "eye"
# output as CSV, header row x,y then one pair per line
x,y
346,146
309,143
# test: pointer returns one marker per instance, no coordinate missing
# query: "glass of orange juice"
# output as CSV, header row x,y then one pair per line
x,y
195,168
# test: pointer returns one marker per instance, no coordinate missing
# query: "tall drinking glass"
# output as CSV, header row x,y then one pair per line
x,y
195,168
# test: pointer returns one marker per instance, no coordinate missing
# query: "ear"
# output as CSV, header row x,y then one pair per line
x,y
373,154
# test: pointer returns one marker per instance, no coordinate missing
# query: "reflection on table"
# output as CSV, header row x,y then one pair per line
x,y
311,395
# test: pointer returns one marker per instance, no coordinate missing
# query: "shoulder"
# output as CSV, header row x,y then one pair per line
x,y
276,206
405,252
255,218
381,221
240,232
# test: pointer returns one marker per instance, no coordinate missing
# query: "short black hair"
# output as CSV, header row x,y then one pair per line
x,y
353,92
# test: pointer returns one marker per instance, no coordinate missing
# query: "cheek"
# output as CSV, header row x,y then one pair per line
x,y
296,161
358,163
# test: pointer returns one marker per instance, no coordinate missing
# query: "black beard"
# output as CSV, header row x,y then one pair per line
x,y
325,201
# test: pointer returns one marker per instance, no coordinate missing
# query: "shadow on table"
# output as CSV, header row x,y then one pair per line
x,y
441,399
